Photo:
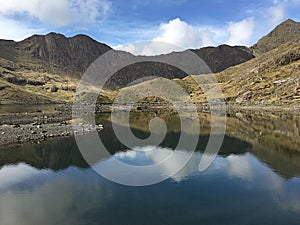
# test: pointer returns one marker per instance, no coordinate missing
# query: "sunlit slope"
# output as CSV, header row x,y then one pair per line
x,y
273,77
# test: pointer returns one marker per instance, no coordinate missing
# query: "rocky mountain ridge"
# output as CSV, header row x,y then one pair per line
x,y
46,68
75,54
285,32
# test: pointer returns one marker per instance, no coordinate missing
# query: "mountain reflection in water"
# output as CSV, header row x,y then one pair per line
x,y
252,181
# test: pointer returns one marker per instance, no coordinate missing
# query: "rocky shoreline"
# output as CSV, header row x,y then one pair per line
x,y
35,127
34,132
19,128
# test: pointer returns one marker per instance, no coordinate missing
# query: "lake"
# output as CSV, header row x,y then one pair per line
x,y
255,178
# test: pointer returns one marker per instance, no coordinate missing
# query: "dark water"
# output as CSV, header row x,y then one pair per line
x,y
255,179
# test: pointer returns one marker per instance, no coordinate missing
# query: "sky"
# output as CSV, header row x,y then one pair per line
x,y
123,23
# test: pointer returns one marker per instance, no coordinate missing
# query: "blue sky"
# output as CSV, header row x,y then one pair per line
x,y
189,24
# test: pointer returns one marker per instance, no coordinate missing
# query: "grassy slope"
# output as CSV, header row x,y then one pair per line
x,y
24,80
271,78
284,32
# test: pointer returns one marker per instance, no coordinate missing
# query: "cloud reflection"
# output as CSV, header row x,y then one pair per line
x,y
240,166
47,197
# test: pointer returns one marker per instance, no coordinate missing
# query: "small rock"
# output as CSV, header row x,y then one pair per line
x,y
16,125
54,88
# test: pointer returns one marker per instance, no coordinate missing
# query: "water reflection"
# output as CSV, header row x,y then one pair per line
x,y
80,196
254,180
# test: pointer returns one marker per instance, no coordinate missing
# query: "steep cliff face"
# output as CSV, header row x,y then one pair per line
x,y
224,56
69,54
75,54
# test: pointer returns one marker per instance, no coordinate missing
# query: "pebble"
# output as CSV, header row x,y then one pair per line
x,y
39,130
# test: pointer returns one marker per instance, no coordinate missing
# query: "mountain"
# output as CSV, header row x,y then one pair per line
x,y
45,68
224,56
71,55
75,54
287,31
271,78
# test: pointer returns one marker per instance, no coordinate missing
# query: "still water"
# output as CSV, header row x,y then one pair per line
x,y
255,179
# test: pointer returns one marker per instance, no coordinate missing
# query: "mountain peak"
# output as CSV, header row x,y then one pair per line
x,y
53,34
284,24
289,21
285,32
71,54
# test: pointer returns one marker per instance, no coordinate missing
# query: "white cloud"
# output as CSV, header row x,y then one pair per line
x,y
176,35
179,35
14,30
276,14
246,31
58,12
241,32
132,48
240,166
11,175
52,199
156,48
